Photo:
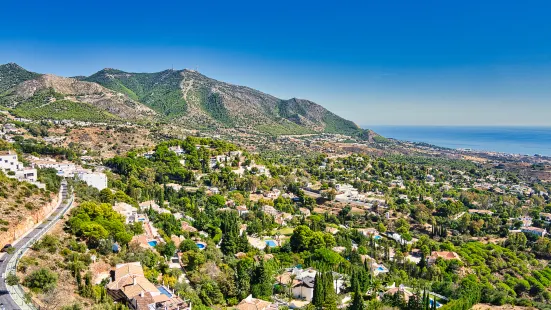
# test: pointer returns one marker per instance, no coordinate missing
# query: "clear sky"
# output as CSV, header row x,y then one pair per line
x,y
480,62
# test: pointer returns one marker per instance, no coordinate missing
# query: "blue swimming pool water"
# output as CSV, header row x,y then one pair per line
x,y
164,291
152,242
377,237
438,305
200,246
271,243
380,268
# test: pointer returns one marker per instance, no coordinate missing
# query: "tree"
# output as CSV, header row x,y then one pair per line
x,y
243,275
300,240
262,282
106,196
357,302
318,294
330,299
516,241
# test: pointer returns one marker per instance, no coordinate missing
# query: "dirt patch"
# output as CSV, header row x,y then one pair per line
x,y
106,142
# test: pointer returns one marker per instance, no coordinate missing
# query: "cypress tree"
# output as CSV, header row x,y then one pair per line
x,y
318,298
330,302
354,283
357,302
79,281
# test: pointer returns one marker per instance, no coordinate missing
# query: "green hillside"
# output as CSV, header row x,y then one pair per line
x,y
159,91
12,74
47,104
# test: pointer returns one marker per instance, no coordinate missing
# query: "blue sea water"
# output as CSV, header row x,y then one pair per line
x,y
513,140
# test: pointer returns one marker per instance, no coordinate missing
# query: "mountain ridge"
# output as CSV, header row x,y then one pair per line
x,y
185,97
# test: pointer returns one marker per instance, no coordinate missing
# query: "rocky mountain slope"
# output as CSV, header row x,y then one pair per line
x,y
58,97
183,97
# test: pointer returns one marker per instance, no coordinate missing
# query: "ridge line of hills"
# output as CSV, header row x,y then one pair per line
x,y
184,97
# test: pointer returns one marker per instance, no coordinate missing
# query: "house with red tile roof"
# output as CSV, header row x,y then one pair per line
x,y
446,255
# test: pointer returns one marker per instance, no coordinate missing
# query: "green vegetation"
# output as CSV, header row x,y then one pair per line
x,y
12,279
41,280
283,128
159,91
337,124
94,222
48,104
212,104
33,146
12,74
427,240
49,177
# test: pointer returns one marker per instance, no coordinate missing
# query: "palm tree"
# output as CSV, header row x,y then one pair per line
x,y
292,278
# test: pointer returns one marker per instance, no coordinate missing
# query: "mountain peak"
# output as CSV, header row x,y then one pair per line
x,y
12,74
13,66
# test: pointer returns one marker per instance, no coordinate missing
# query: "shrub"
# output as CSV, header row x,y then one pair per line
x,y
41,280
12,279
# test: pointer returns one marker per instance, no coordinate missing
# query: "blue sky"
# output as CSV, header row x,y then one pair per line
x,y
374,62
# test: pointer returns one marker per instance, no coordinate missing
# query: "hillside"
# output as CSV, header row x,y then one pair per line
x,y
12,74
20,204
57,97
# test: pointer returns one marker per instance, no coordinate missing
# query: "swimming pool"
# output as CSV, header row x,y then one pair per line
x,y
164,291
377,237
438,305
152,243
200,245
271,243
381,269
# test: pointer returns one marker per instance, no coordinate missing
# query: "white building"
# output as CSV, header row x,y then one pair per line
x,y
177,149
129,212
534,230
303,285
65,168
10,163
94,179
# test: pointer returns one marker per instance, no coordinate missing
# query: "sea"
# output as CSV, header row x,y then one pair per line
x,y
512,140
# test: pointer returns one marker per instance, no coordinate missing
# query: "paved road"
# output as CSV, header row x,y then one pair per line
x,y
5,298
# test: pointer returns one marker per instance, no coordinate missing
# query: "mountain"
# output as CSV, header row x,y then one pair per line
x,y
12,74
67,98
193,98
182,97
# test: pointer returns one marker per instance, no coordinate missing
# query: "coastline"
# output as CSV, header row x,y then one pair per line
x,y
517,140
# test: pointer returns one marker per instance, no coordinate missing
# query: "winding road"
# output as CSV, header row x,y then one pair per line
x,y
11,297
